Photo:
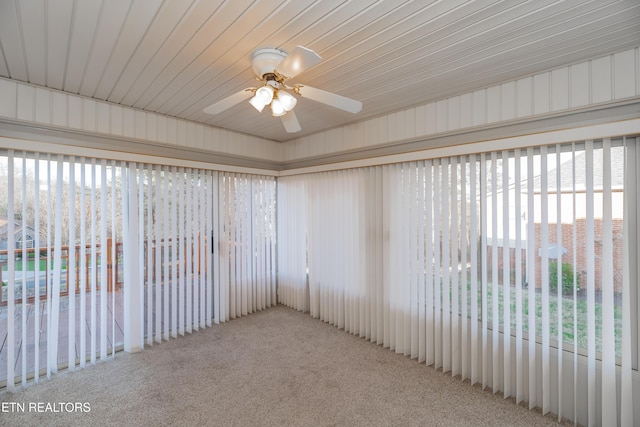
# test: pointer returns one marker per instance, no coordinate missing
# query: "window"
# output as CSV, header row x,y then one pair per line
x,y
501,267
131,254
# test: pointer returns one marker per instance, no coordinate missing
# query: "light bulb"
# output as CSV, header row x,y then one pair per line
x,y
277,108
288,101
265,94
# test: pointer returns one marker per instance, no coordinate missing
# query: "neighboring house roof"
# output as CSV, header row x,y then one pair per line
x,y
566,172
4,225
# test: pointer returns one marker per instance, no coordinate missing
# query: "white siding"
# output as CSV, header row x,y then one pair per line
x,y
26,100
37,105
9,96
541,91
601,80
60,110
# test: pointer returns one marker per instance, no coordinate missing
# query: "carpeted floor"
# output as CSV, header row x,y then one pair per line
x,y
276,367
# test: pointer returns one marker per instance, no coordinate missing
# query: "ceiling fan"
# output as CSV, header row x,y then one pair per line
x,y
273,67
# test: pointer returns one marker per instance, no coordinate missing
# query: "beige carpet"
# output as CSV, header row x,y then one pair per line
x,y
276,367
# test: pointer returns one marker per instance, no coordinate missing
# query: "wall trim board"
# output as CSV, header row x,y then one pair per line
x,y
612,112
596,131
73,142
23,144
21,136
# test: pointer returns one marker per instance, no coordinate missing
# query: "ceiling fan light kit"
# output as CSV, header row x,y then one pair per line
x,y
273,67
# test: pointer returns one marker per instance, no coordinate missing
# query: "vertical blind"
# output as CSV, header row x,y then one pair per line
x,y
509,268
247,238
514,269
59,263
100,251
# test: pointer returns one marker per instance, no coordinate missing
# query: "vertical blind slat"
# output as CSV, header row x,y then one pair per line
x,y
210,239
52,335
168,243
413,271
591,313
24,269
114,257
544,276
631,205
574,229
430,265
37,314
559,282
149,255
455,268
83,263
531,279
506,278
464,229
495,281
157,288
437,284
182,251
94,264
10,269
446,268
421,266
189,250
143,240
103,259
484,271
49,287
473,220
517,185
609,411
175,251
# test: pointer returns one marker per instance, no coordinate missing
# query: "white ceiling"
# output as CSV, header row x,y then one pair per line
x,y
176,57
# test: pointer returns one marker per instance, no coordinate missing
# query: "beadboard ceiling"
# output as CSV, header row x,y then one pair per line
x,y
176,57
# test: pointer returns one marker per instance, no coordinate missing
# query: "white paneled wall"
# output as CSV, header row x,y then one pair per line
x,y
591,83
41,106
586,84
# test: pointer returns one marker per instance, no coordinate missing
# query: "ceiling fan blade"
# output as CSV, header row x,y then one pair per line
x,y
229,101
290,122
332,99
297,61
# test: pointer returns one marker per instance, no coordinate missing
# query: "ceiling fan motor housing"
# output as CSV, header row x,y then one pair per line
x,y
265,60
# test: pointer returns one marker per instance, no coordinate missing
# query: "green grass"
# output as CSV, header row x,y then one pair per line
x,y
568,333
31,265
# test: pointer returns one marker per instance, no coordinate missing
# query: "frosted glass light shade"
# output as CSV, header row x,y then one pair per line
x,y
257,103
287,100
265,94
277,108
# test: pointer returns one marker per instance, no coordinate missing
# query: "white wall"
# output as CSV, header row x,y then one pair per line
x,y
585,85
590,84
31,104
